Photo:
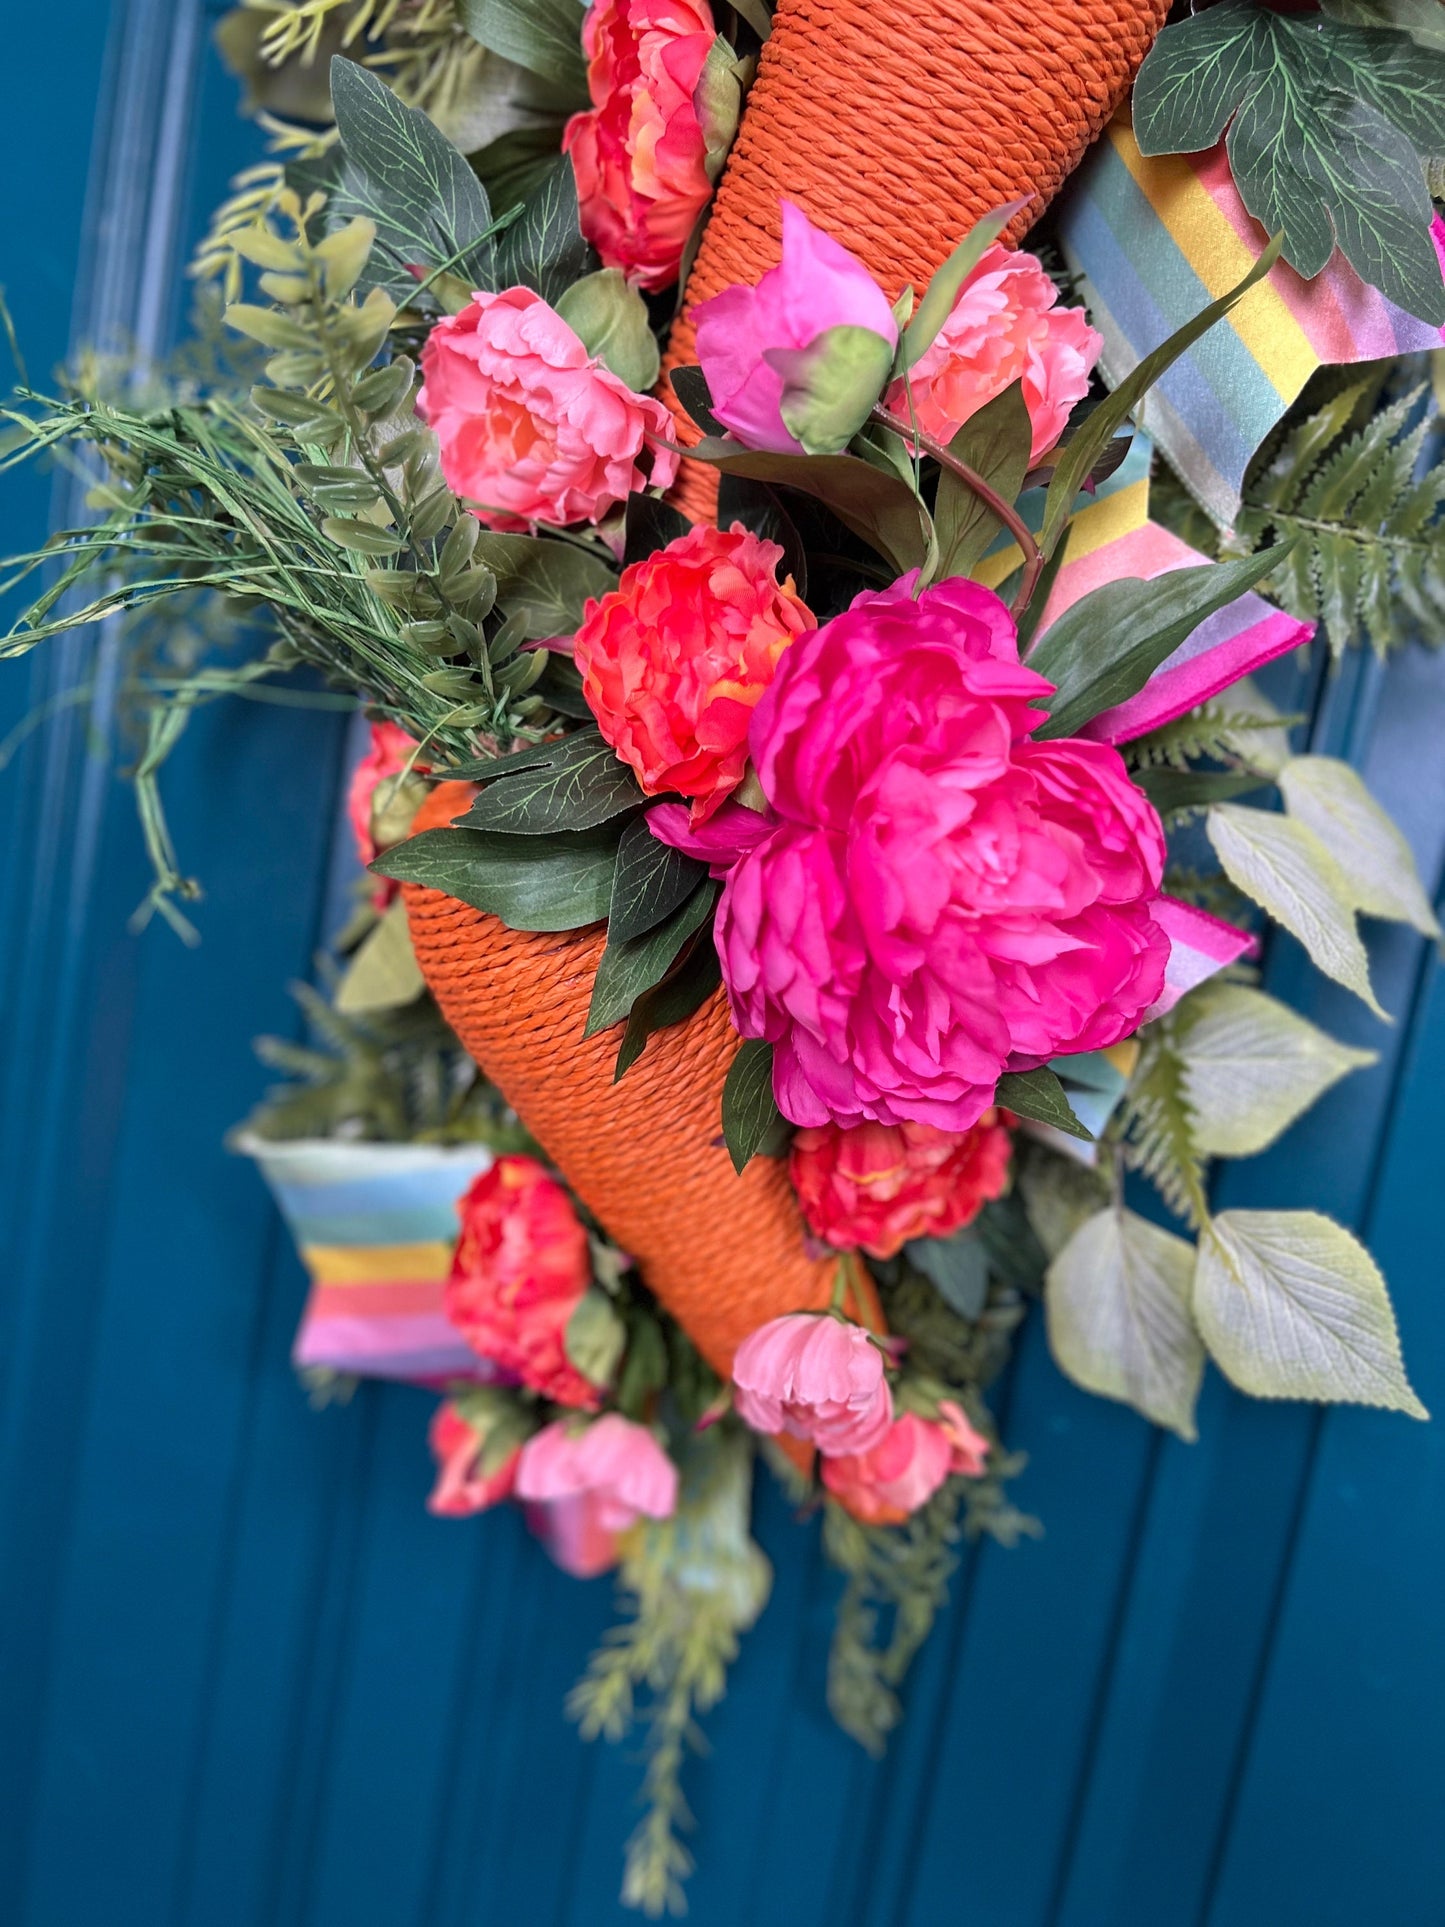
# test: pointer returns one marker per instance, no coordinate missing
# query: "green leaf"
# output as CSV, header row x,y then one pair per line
x,y
1423,20
361,538
1291,1306
1085,446
626,970
996,442
516,163
1328,128
1106,647
384,974
574,783
544,36
1289,872
685,989
830,387
1117,1304
610,319
718,102
956,1267
1328,797
649,525
1174,792
937,304
1039,1095
545,248
596,1337
690,386
530,883
750,1113
399,171
547,582
880,508
652,880
1251,1066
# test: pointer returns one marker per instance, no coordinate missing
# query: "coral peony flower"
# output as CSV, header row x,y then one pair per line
x,y
883,1485
585,1484
378,807
532,428
940,899
461,1488
640,154
810,1374
817,285
1005,326
674,659
521,1264
877,1185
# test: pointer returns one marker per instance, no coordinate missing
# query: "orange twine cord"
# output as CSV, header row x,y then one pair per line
x,y
895,130
724,1253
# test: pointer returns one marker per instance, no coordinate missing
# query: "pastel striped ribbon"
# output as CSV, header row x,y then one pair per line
x,y
375,1225
1155,241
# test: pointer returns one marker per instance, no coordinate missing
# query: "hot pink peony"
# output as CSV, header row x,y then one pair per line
x,y
810,1374
940,899
601,1478
817,285
461,1488
639,155
674,659
521,1265
1005,326
877,1185
532,428
906,1467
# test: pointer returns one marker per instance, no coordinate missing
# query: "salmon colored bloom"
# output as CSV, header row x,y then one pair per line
x,y
816,1377
461,1487
877,1185
521,1265
883,1485
531,427
675,658
639,153
378,806
1005,325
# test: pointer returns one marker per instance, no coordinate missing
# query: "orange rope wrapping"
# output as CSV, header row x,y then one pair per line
x,y
895,129
723,1253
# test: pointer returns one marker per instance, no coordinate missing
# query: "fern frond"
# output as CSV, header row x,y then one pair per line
x,y
1156,1126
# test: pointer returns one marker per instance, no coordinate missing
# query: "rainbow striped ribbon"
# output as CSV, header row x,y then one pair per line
x,y
1155,241
375,1225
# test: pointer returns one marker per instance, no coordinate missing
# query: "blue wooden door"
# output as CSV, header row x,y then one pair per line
x,y
248,1682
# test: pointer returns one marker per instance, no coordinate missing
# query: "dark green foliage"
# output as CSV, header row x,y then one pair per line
x,y
575,783
630,968
1039,1095
1328,129
651,881
750,1117
557,882
544,248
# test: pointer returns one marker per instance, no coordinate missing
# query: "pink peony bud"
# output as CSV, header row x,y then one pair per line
x,y
532,428
894,1477
970,1447
618,1467
460,1487
748,338
1005,326
810,1374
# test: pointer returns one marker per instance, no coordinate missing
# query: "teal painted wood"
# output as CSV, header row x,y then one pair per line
x,y
250,1683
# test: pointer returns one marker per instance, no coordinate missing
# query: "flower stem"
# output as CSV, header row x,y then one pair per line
x,y
990,497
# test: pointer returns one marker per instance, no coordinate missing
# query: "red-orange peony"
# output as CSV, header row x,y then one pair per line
x,y
675,659
521,1265
640,153
875,1186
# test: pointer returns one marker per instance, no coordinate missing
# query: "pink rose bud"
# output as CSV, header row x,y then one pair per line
x,y
520,1268
574,1535
531,427
640,154
1005,326
970,1447
619,1467
810,1374
894,1477
461,1487
378,806
802,356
